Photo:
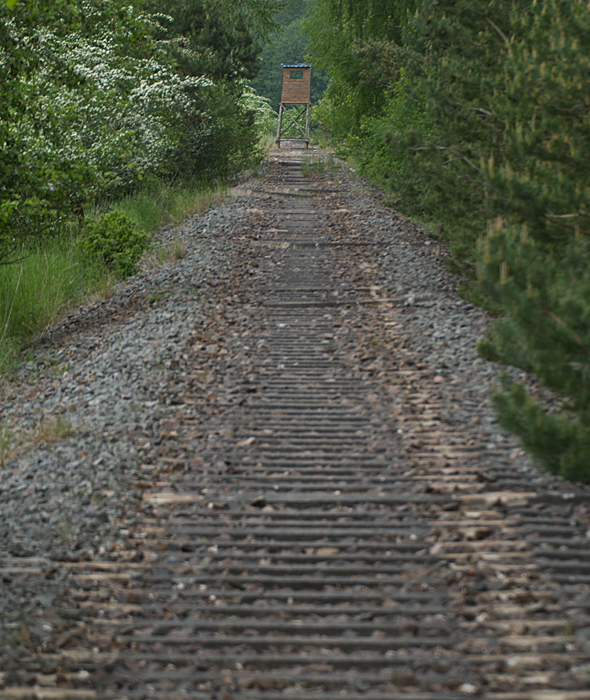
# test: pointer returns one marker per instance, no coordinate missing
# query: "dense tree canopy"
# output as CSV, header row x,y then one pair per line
x,y
353,42
96,94
201,43
474,114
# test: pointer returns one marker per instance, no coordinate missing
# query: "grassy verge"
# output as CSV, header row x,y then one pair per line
x,y
36,291
52,276
317,165
158,204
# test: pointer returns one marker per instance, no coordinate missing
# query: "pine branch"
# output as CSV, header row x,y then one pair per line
x,y
500,32
459,155
562,324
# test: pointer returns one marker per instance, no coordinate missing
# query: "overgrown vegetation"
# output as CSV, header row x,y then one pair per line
x,y
474,115
99,96
109,110
115,241
50,278
54,275
157,203
48,430
316,166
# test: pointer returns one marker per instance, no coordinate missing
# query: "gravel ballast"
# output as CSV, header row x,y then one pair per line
x,y
106,373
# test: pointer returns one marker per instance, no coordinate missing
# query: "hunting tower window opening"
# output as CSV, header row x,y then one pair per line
x,y
296,75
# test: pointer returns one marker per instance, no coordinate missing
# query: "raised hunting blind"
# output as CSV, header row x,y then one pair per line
x,y
295,103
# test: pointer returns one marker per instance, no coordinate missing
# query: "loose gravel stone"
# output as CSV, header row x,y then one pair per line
x,y
106,372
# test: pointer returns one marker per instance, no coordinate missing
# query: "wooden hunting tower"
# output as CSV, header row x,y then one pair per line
x,y
295,102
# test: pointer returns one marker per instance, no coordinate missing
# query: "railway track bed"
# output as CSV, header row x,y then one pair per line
x,y
323,507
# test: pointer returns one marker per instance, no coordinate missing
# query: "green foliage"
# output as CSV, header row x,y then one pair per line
x,y
265,118
259,15
54,275
452,55
383,157
356,44
476,118
546,330
116,241
160,203
201,43
542,177
534,261
559,441
314,166
48,280
97,95
502,89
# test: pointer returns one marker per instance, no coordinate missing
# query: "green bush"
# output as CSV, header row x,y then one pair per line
x,y
116,240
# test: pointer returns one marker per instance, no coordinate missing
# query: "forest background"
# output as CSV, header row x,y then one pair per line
x,y
472,115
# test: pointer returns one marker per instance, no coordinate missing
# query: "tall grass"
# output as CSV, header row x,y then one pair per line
x,y
51,277
34,292
160,204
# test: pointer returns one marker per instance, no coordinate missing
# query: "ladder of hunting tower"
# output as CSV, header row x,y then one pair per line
x,y
295,102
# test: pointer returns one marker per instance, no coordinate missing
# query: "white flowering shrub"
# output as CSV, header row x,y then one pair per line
x,y
120,117
94,102
265,118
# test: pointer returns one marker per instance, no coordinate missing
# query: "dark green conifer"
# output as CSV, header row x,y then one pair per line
x,y
535,260
485,112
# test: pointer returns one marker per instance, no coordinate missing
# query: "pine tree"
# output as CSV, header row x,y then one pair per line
x,y
454,53
535,260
